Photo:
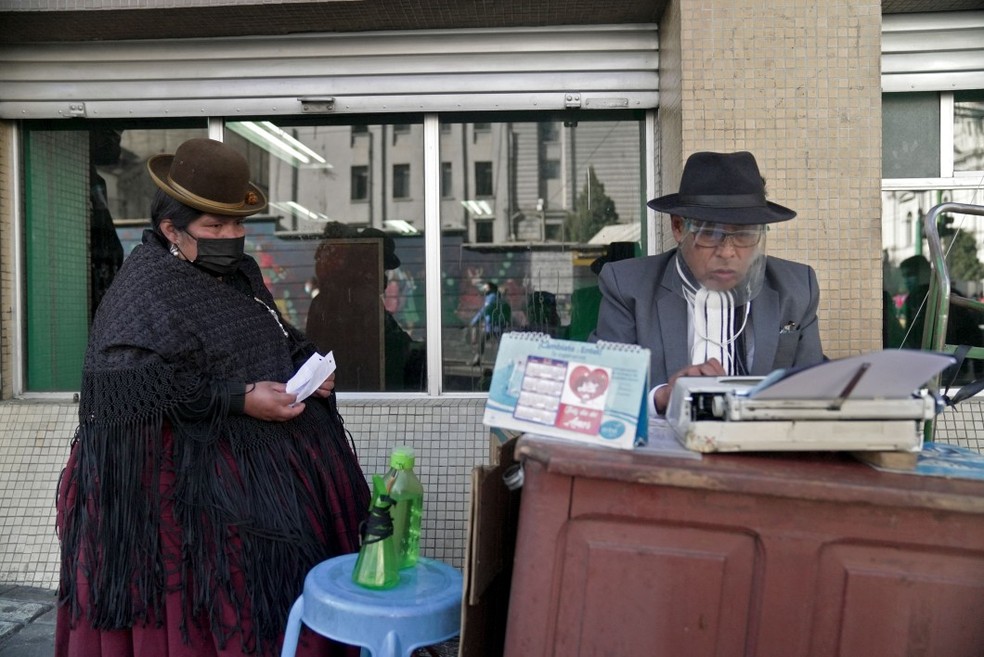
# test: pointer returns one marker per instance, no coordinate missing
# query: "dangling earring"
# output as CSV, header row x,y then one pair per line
x,y
174,250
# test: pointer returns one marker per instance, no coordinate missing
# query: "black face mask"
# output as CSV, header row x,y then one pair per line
x,y
220,256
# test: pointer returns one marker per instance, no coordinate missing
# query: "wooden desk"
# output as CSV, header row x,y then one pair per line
x,y
628,553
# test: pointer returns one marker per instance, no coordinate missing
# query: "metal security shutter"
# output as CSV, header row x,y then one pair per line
x,y
592,67
933,52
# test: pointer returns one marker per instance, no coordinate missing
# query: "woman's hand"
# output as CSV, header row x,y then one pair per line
x,y
270,401
326,388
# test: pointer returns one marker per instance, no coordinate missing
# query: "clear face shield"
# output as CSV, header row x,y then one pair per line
x,y
725,258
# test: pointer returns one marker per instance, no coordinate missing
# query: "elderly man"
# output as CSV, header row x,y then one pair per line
x,y
715,305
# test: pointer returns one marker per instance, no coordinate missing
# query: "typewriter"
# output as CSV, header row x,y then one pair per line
x,y
871,402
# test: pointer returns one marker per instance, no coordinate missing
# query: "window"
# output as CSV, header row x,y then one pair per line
x,y
483,179
336,181
968,131
401,181
911,135
533,241
446,190
917,128
358,131
58,191
360,183
553,231
484,231
483,130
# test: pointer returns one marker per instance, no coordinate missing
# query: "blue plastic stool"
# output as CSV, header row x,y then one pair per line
x,y
423,609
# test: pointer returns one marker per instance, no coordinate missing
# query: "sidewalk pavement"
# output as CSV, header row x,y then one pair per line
x,y
27,621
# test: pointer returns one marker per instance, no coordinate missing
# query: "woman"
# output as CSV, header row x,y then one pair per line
x,y
197,494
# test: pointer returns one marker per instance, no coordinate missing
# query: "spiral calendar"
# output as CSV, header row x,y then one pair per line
x,y
588,392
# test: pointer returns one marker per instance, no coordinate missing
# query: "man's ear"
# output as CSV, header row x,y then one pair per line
x,y
679,230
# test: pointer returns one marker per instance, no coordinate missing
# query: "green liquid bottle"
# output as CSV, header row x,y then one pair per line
x,y
408,505
377,566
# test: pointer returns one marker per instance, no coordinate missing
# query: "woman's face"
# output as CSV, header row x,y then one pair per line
x,y
209,226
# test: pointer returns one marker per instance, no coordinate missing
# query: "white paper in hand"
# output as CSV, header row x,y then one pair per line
x,y
311,375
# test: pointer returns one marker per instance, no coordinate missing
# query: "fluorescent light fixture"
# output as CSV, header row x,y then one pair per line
x,y
401,226
299,211
478,208
280,143
290,139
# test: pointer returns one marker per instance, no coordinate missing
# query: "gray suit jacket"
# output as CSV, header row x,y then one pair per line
x,y
639,306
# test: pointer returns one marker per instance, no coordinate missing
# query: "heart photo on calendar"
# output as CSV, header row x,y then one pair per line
x,y
587,383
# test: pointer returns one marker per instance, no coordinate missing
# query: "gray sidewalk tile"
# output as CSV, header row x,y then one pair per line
x,y
34,640
27,621
8,630
18,611
28,594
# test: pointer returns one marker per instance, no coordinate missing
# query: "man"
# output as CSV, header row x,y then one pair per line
x,y
715,305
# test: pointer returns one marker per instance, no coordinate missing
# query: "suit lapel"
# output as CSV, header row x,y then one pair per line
x,y
673,321
765,326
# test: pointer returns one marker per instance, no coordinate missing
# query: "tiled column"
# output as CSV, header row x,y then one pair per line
x,y
798,84
7,163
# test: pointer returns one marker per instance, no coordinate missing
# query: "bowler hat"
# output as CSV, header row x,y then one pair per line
x,y
209,176
723,188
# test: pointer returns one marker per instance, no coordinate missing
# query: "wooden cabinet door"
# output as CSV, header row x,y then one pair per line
x,y
899,602
652,589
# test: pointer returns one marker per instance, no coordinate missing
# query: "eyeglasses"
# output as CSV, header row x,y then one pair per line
x,y
711,236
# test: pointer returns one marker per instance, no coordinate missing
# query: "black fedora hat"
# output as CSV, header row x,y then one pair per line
x,y
209,176
723,188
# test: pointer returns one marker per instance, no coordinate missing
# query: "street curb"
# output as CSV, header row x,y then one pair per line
x,y
20,608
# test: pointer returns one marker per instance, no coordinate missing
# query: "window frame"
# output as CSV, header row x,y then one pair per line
x,y
433,131
948,179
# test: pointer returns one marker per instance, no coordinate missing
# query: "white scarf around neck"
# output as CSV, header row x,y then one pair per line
x,y
715,335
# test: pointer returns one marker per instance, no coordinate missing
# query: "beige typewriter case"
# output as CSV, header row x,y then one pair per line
x,y
711,414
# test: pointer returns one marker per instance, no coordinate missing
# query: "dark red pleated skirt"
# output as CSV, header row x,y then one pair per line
x,y
165,636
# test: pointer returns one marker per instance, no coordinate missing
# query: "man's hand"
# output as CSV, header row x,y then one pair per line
x,y
270,401
326,388
711,367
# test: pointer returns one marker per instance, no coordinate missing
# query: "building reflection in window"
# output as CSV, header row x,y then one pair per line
x,y
525,208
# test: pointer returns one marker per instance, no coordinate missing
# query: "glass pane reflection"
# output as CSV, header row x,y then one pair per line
x,y
341,244
906,271
97,173
526,209
968,131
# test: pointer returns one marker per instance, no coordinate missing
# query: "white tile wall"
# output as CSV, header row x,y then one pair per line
x,y
447,436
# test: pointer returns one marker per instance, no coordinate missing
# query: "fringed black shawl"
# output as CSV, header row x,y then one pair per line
x,y
256,503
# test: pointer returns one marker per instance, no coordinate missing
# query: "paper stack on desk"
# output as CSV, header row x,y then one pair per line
x,y
874,401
